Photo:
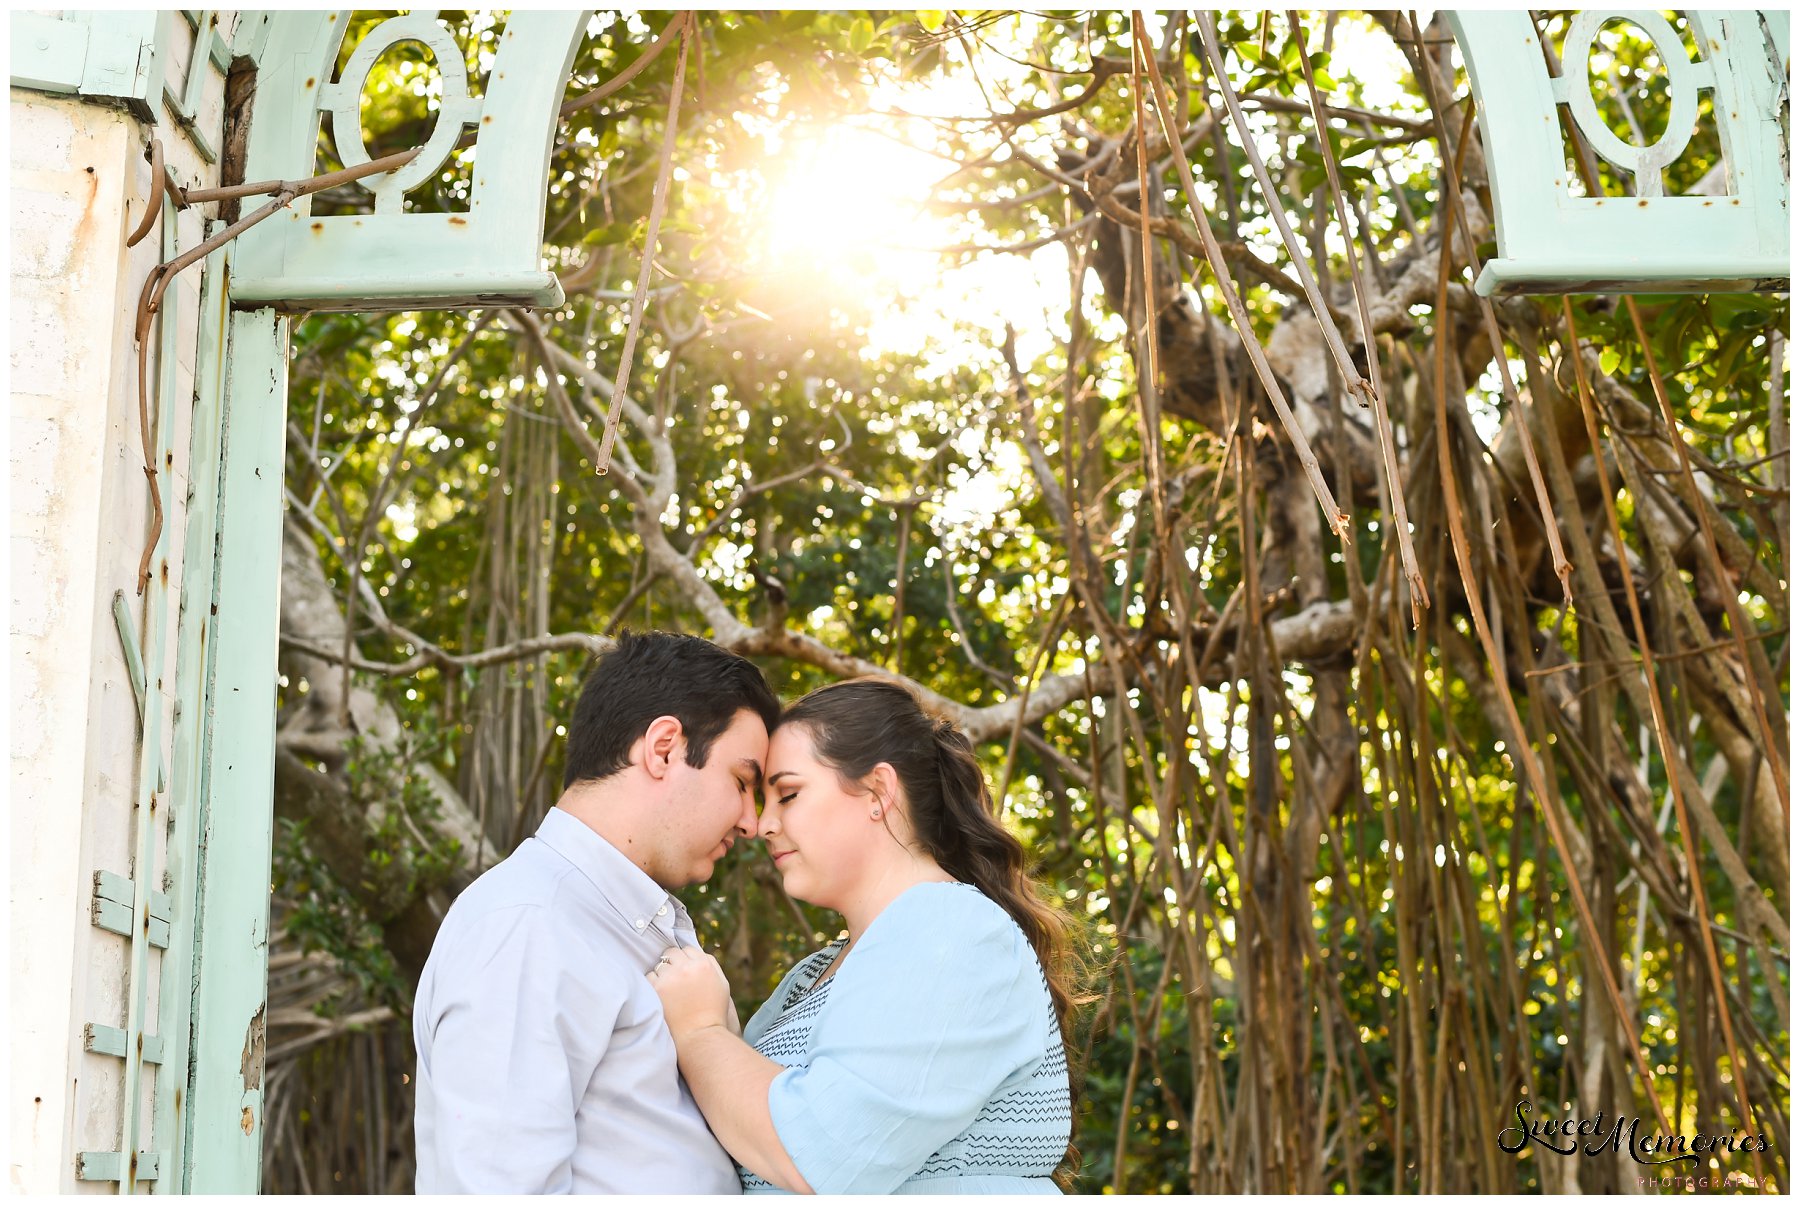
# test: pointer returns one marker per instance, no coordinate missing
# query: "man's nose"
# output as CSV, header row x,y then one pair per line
x,y
746,821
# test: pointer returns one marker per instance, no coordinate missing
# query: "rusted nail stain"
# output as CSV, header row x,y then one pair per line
x,y
456,221
140,1043
484,121
251,1066
1641,204
318,226
87,205
311,82
249,1122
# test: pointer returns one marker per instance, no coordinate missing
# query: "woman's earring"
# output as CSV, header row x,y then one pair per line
x,y
875,813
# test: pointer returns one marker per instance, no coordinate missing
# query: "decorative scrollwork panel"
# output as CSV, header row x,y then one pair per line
x,y
1554,236
395,258
457,109
1685,78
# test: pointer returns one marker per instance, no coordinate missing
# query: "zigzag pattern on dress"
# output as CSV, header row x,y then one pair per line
x,y
786,1040
1023,1133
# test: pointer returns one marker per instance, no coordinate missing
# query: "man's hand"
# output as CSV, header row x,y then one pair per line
x,y
694,991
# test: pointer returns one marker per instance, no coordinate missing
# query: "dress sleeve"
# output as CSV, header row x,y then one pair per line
x,y
940,1006
516,1038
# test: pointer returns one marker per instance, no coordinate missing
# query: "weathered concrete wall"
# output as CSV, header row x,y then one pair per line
x,y
81,514
71,173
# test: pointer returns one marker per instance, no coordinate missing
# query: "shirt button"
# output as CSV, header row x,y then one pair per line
x,y
663,911
641,922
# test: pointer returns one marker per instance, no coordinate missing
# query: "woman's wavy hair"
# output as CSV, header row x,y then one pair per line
x,y
856,725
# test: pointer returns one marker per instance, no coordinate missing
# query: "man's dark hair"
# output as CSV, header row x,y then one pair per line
x,y
651,674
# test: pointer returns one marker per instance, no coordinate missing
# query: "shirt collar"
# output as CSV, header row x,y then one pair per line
x,y
640,899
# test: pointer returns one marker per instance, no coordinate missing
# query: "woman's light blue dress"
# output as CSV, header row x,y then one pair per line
x,y
929,1062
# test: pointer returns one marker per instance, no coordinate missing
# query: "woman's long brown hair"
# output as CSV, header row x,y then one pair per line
x,y
858,724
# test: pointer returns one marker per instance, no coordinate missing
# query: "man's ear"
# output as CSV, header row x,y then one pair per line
x,y
663,742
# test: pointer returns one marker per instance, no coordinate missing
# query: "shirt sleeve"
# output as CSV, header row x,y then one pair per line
x,y
940,1005
516,1036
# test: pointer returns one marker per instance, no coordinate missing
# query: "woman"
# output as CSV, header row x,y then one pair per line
x,y
925,1051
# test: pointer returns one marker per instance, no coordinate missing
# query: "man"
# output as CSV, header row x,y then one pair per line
x,y
544,1063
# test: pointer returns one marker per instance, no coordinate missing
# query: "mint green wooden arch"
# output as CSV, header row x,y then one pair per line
x,y
206,1134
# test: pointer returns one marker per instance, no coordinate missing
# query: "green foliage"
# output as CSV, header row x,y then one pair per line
x,y
401,862
324,916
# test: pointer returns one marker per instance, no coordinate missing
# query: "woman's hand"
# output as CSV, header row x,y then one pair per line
x,y
695,993
729,1080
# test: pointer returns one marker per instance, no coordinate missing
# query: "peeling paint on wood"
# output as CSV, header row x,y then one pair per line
x,y
250,1067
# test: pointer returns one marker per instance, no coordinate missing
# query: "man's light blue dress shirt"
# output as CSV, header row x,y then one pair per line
x,y
544,1062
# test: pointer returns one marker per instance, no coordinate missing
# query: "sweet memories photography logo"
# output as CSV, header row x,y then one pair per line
x,y
1603,1133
